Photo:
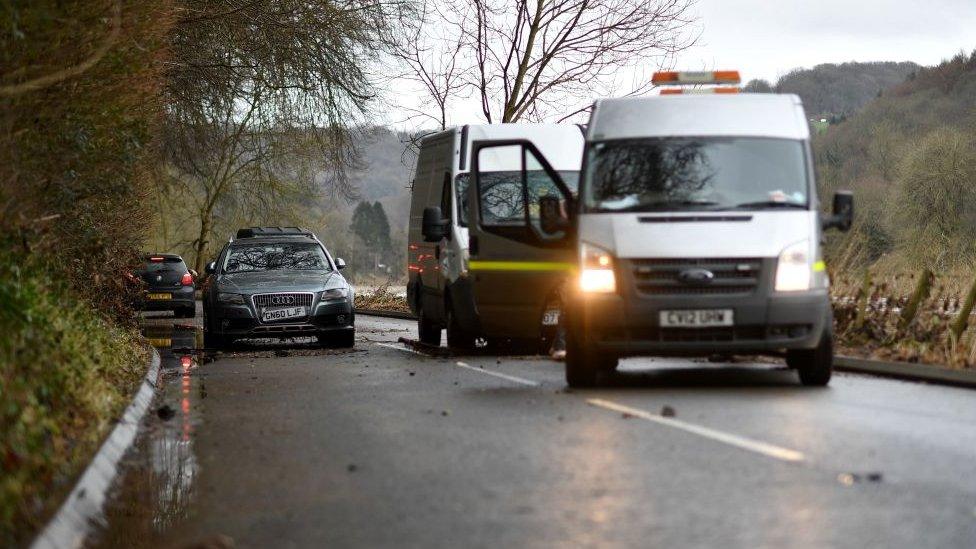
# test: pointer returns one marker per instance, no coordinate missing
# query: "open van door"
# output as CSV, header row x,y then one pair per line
x,y
516,259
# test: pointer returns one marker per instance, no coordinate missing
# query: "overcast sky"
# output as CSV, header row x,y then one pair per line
x,y
768,38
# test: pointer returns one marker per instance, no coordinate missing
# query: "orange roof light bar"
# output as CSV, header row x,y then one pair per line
x,y
679,91
680,78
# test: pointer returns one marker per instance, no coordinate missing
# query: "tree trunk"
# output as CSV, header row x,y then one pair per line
x,y
962,319
200,246
922,289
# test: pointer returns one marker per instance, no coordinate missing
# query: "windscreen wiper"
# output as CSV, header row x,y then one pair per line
x,y
765,204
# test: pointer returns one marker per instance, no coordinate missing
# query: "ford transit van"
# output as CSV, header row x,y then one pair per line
x,y
697,231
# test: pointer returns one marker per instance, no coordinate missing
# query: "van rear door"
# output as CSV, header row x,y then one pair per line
x,y
515,263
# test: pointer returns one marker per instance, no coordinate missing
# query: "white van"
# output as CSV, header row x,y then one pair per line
x,y
697,231
446,274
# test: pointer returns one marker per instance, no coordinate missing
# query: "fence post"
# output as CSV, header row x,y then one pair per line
x,y
921,293
962,318
862,301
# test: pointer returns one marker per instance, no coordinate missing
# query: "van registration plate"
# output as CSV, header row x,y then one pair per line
x,y
159,296
696,318
282,313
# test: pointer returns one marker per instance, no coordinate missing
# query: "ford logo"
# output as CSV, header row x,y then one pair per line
x,y
282,300
697,277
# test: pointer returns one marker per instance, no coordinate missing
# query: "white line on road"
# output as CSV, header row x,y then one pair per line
x,y
513,379
763,448
399,348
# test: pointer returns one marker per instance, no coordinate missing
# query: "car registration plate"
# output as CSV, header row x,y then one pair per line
x,y
696,318
159,296
282,313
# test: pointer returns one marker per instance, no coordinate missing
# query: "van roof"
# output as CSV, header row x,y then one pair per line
x,y
742,115
561,144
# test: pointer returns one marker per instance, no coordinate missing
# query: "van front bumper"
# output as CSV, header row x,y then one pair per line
x,y
763,324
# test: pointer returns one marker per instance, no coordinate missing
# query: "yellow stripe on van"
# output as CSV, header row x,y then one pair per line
x,y
535,266
819,266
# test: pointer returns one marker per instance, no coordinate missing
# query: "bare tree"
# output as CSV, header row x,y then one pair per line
x,y
547,59
258,90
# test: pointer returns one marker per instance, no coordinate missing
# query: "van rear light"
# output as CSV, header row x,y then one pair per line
x,y
157,259
187,279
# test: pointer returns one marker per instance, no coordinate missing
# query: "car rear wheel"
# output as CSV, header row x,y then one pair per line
x,y
814,365
429,332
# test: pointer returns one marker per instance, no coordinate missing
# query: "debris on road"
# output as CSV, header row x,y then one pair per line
x,y
667,411
281,352
351,468
849,479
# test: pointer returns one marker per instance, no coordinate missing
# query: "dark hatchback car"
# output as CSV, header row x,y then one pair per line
x,y
277,282
169,285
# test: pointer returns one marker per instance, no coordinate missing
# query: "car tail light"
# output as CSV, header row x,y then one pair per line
x,y
187,279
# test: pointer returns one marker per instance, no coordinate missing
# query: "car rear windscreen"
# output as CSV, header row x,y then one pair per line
x,y
166,265
277,256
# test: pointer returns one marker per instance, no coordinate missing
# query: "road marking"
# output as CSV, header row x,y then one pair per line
x,y
513,379
399,348
763,448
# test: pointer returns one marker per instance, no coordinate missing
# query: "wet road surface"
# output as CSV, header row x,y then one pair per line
x,y
381,446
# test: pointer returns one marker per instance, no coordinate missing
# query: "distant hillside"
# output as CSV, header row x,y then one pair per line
x,y
835,91
910,156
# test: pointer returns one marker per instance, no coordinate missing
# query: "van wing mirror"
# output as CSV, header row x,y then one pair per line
x,y
211,267
434,226
842,215
340,263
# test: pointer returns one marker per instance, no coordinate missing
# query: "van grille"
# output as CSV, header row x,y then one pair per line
x,y
731,276
283,300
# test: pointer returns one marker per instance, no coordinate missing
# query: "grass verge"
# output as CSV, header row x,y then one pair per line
x,y
66,374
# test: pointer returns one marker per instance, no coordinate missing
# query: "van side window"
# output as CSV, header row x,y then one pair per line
x,y
446,197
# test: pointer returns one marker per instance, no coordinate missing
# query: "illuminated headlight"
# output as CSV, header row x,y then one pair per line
x,y
230,299
334,293
596,274
794,268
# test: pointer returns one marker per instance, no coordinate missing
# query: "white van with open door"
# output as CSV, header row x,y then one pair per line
x,y
449,285
697,231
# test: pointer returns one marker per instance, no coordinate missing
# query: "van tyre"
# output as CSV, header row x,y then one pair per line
x,y
814,365
457,336
428,332
585,365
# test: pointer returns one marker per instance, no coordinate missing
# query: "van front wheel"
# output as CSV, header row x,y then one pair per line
x,y
429,332
584,364
814,365
457,337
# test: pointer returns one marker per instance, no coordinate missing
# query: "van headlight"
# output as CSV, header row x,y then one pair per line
x,y
596,274
794,268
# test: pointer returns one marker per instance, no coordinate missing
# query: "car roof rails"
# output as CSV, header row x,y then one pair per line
x,y
258,232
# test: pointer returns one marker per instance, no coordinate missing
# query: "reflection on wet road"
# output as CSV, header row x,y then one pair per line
x,y
158,474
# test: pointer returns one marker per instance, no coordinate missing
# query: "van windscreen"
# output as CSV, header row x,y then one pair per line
x,y
696,173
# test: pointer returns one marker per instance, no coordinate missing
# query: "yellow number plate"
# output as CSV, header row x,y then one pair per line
x,y
159,296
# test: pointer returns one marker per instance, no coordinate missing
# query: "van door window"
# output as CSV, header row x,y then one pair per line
x,y
502,199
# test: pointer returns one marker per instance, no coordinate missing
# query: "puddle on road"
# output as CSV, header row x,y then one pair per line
x,y
157,479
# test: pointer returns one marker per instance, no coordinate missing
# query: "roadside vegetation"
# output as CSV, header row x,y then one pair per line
x,y
78,121
910,157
